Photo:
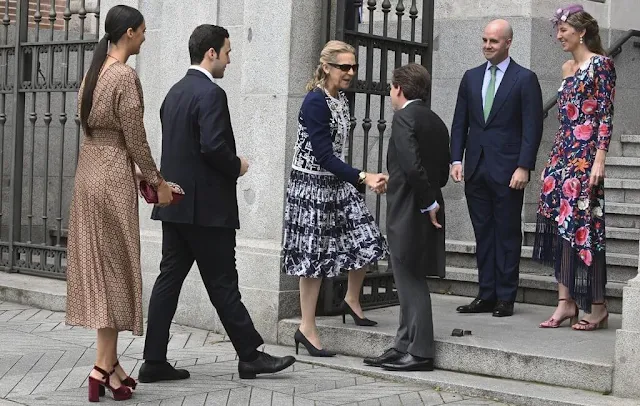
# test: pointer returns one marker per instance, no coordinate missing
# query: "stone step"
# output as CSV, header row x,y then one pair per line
x,y
630,145
532,289
509,391
623,167
619,240
623,215
43,293
513,347
461,254
622,190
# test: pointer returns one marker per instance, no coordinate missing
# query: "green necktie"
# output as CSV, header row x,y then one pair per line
x,y
491,92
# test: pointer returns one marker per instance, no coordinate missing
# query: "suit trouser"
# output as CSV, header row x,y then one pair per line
x,y
495,210
415,334
213,249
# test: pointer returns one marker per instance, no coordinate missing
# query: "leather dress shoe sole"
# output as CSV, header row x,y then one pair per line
x,y
479,309
251,372
410,363
418,366
387,357
161,372
503,313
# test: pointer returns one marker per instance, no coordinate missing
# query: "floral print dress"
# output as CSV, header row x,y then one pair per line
x,y
570,230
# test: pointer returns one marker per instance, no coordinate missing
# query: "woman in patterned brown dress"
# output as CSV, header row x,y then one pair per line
x,y
104,283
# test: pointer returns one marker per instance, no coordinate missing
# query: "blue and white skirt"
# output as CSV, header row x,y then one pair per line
x,y
328,228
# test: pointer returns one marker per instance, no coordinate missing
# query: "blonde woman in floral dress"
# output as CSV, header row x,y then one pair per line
x,y
571,224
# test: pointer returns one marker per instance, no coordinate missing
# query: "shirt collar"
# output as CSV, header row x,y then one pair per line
x,y
502,66
201,69
408,102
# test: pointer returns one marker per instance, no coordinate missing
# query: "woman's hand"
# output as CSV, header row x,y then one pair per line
x,y
165,194
597,170
597,173
139,175
376,182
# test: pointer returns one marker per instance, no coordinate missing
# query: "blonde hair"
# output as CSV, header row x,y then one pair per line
x,y
328,55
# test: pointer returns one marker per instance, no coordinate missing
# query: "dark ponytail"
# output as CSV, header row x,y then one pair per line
x,y
119,19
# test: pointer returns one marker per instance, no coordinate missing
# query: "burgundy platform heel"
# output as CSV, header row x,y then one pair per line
x,y
128,381
96,386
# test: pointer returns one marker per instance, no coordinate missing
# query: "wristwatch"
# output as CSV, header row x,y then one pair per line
x,y
362,176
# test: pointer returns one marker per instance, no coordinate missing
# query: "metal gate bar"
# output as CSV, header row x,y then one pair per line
x,y
37,72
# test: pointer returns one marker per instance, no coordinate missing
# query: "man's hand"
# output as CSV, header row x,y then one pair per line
x,y
432,216
519,179
382,184
244,165
456,173
376,182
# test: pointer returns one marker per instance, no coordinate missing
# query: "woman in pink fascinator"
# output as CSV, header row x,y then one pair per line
x,y
570,233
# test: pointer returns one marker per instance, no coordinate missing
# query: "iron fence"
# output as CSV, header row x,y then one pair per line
x,y
44,48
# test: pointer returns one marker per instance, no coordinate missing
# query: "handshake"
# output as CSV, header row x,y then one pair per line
x,y
377,182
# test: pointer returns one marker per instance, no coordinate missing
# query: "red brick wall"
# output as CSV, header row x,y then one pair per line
x,y
45,7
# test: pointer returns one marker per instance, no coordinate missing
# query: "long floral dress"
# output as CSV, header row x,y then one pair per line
x,y
570,232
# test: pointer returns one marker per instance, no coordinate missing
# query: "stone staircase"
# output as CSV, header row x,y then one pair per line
x,y
512,350
537,284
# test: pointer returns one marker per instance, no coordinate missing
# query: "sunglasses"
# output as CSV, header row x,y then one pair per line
x,y
345,67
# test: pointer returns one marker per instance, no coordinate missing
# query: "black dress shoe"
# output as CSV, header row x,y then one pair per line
x,y
503,309
410,362
151,372
388,356
478,306
264,364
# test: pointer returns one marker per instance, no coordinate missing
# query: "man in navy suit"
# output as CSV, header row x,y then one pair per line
x,y
497,127
199,153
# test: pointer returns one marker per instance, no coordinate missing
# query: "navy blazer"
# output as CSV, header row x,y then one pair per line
x,y
511,135
199,153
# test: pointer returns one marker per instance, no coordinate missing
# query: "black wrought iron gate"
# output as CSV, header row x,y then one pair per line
x,y
386,35
44,48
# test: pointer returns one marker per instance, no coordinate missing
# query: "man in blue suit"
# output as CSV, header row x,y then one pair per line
x,y
497,126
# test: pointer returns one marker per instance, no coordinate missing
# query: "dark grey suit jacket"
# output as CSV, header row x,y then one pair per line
x,y
418,165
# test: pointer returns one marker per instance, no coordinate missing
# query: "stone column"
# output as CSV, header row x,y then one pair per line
x,y
627,355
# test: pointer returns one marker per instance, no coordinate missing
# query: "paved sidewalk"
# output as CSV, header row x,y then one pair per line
x,y
45,362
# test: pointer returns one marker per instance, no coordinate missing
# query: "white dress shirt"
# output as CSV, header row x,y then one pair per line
x,y
435,205
502,68
203,70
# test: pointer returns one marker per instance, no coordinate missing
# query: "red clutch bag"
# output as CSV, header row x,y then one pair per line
x,y
151,195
